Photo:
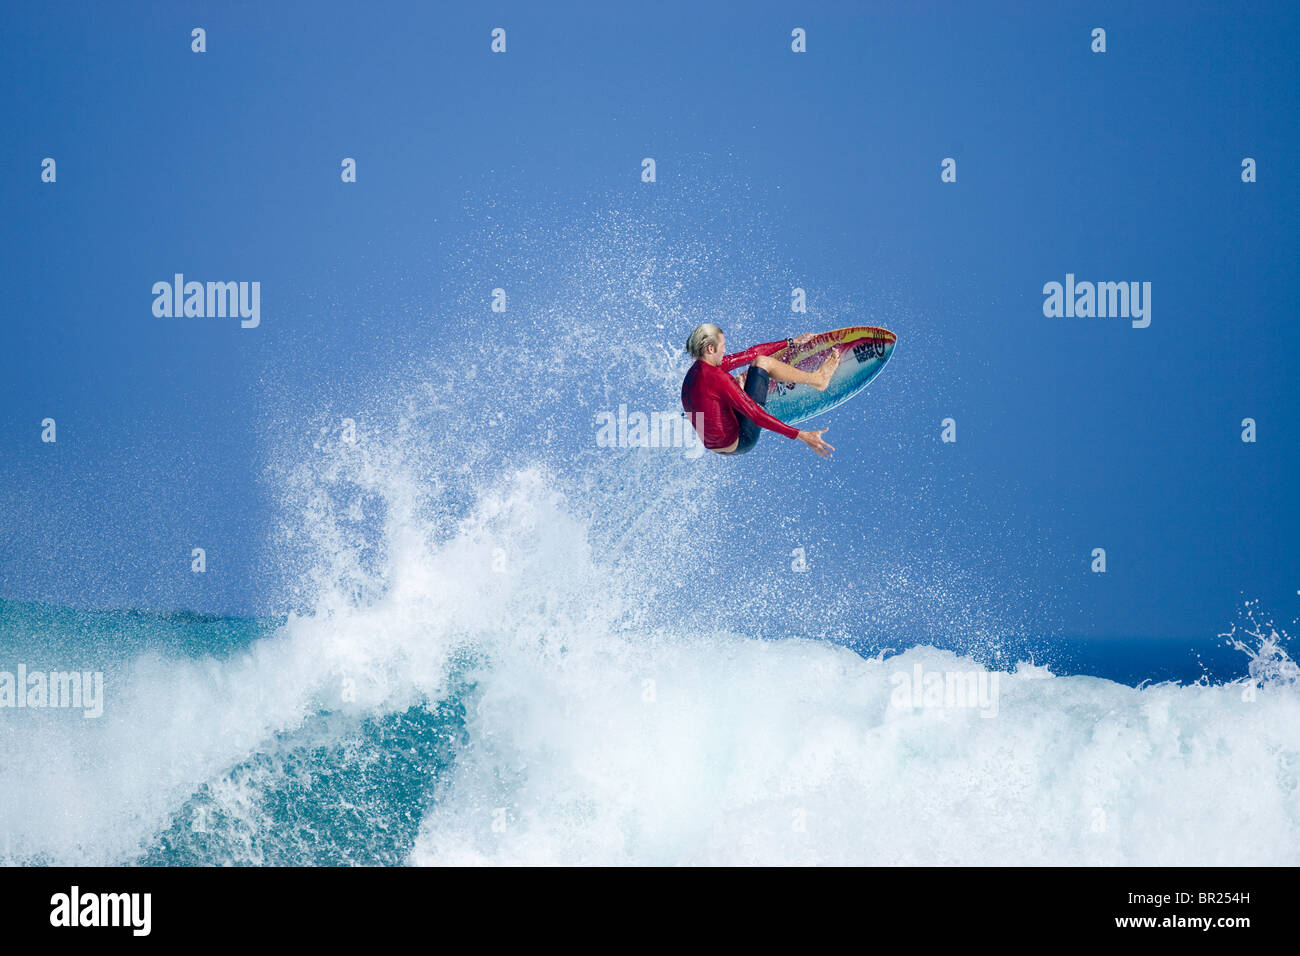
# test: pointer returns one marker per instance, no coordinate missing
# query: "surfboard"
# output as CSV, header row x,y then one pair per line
x,y
863,349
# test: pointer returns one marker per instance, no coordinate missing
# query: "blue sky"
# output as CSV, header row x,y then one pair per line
x,y
1073,433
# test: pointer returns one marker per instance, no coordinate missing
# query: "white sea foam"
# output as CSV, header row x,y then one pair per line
x,y
672,747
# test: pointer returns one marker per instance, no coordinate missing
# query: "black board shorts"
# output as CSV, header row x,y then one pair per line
x,y
756,388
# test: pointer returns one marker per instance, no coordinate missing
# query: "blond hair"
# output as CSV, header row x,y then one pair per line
x,y
703,336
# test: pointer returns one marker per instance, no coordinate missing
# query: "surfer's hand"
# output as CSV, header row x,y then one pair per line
x,y
814,441
806,337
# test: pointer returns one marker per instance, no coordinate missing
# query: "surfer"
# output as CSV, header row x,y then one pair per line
x,y
728,414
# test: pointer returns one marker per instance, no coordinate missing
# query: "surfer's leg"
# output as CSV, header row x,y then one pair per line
x,y
783,372
755,388
756,385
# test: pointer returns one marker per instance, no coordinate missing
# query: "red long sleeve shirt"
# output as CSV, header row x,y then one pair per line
x,y
709,391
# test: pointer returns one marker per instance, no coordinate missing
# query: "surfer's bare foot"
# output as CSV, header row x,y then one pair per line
x,y
822,377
